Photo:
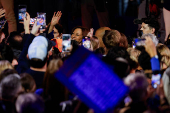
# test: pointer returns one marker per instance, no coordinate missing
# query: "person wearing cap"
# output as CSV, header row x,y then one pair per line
x,y
43,46
37,54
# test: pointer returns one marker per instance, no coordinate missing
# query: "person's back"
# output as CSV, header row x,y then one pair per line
x,y
37,53
38,76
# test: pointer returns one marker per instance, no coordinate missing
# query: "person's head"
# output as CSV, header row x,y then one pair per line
x,y
111,38
15,40
29,103
2,36
52,87
78,33
165,54
4,64
165,62
10,87
149,25
117,51
137,84
37,52
27,83
6,53
123,41
100,33
163,49
95,43
119,58
100,51
134,54
7,72
58,30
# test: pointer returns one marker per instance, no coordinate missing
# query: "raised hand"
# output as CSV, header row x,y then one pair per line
x,y
150,47
35,28
27,23
56,18
90,34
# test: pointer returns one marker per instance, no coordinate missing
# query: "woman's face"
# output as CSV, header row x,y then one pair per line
x,y
77,35
56,33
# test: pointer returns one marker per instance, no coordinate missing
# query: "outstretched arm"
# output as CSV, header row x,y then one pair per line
x,y
55,20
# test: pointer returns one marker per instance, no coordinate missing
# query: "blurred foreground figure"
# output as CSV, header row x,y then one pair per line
x,y
29,103
166,13
8,5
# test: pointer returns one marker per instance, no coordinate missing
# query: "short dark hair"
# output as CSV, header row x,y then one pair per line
x,y
10,86
37,63
7,72
84,30
152,23
112,58
59,27
6,53
27,81
111,38
12,42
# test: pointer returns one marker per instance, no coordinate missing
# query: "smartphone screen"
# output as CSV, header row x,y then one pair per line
x,y
66,43
155,80
86,42
41,20
22,9
32,21
138,42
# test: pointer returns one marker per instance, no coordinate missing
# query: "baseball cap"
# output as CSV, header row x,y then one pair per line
x,y
38,48
50,42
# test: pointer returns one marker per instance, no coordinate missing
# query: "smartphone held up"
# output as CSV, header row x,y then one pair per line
x,y
66,42
22,9
41,20
86,42
137,42
155,80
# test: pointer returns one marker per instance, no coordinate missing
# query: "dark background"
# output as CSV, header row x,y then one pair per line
x,y
121,13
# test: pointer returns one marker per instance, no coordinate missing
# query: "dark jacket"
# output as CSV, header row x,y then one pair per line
x,y
23,62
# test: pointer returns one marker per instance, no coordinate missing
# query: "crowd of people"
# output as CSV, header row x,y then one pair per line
x,y
29,61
